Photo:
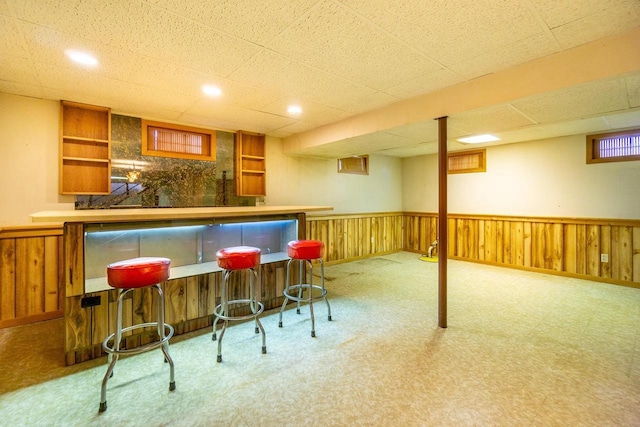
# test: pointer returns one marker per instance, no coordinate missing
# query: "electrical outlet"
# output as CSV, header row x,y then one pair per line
x,y
604,257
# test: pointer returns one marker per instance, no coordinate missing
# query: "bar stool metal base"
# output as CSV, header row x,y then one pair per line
x,y
111,344
304,292
221,311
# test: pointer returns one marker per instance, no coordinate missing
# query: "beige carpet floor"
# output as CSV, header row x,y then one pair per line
x,y
521,349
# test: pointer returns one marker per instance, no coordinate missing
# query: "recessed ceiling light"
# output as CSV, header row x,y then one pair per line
x,y
211,90
477,139
294,109
80,57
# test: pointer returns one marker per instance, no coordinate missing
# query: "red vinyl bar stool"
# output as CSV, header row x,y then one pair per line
x,y
126,276
304,251
238,258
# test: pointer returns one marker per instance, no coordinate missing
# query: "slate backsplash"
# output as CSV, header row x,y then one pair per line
x,y
161,181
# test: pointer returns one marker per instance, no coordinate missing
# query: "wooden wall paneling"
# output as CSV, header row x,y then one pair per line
x,y
52,278
517,243
605,248
192,299
621,259
100,328
481,240
473,240
423,233
498,234
556,246
77,324
462,237
506,242
331,243
489,240
207,294
30,291
7,279
636,254
175,301
143,306
74,259
593,250
352,239
413,233
527,244
365,232
537,245
581,249
569,253
451,229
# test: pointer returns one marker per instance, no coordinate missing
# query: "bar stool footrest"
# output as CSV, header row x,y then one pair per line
x,y
218,310
141,348
305,286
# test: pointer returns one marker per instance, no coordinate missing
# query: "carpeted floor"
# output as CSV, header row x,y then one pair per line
x,y
521,349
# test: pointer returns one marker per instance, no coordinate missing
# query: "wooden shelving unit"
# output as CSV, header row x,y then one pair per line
x,y
250,164
85,149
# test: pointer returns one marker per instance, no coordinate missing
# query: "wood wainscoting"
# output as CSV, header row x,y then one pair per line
x,y
31,284
605,250
349,237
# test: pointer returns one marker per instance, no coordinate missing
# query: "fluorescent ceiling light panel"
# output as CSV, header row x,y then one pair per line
x,y
477,139
80,57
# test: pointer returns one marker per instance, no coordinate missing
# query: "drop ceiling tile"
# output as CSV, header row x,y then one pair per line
x,y
254,20
554,130
411,150
11,41
426,83
247,119
77,81
23,89
536,46
332,38
576,102
633,90
556,13
4,9
489,120
114,23
265,71
453,30
180,40
16,69
311,111
625,17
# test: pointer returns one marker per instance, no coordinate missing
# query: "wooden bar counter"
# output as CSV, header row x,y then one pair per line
x,y
189,237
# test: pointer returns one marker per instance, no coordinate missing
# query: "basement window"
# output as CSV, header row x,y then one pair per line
x,y
175,141
354,164
467,161
613,146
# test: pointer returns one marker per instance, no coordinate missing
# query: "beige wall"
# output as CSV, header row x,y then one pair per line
x,y
538,178
28,159
306,181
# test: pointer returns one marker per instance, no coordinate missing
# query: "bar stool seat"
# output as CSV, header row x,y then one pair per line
x,y
238,258
303,252
126,276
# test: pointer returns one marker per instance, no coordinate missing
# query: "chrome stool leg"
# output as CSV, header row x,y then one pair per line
x,y
114,350
221,311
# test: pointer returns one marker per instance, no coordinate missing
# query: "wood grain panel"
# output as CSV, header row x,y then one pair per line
x,y
569,254
52,274
636,254
30,288
622,253
74,259
593,250
7,279
605,248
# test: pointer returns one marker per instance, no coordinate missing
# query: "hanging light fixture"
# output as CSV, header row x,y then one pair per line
x,y
133,174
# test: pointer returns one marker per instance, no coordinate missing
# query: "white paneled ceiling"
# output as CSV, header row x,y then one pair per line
x,y
338,59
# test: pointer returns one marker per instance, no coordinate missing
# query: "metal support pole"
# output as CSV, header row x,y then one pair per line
x,y
442,222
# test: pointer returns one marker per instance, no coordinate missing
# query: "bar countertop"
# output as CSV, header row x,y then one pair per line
x,y
160,214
